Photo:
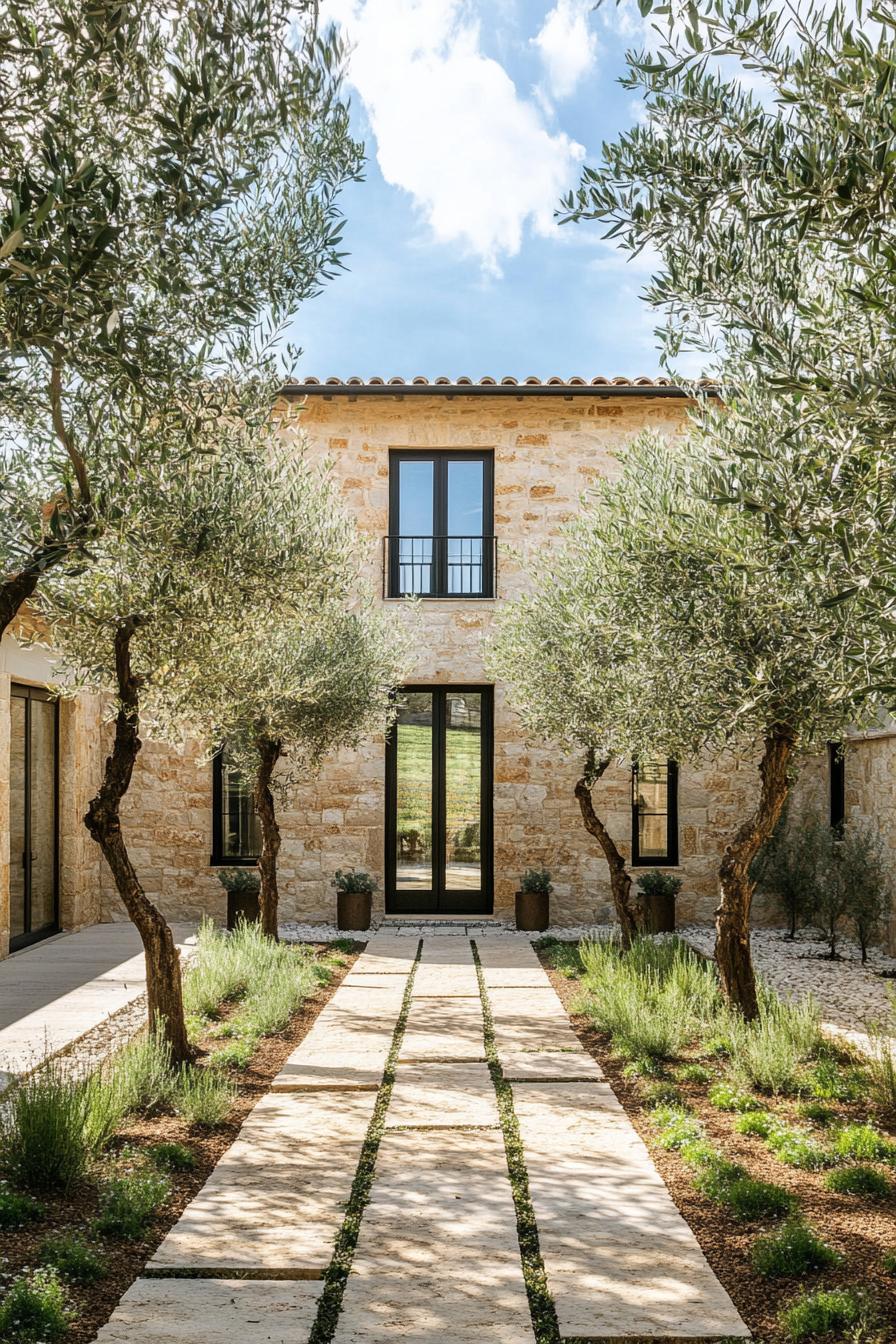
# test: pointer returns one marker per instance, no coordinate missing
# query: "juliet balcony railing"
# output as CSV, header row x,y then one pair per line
x,y
440,566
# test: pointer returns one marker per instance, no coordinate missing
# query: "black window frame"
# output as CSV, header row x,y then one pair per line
x,y
218,858
440,899
836,785
440,458
671,856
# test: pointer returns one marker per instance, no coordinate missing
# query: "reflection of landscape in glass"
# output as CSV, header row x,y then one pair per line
x,y
463,756
414,792
653,783
414,842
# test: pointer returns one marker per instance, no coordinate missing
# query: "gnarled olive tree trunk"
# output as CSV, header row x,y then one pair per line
x,y
269,752
630,917
164,990
736,886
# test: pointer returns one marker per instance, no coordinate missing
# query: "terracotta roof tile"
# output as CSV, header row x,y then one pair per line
x,y
602,386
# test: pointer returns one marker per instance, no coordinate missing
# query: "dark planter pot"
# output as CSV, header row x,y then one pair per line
x,y
660,913
353,909
533,911
242,907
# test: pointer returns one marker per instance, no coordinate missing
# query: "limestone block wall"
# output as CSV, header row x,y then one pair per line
x,y
547,452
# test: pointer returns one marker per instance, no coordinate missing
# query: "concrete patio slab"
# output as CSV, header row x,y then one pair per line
x,y
444,1095
544,1066
447,1029
621,1262
214,1311
434,980
385,955
327,1071
276,1199
438,1258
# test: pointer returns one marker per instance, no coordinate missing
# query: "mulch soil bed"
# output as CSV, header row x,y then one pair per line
x,y
75,1211
861,1230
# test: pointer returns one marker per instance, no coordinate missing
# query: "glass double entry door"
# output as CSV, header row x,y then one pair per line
x,y
439,802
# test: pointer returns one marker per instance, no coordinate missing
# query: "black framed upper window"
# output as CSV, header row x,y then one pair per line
x,y
654,814
235,831
441,521
837,784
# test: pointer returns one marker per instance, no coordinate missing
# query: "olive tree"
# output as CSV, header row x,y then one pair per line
x,y
187,552
169,178
725,647
565,652
289,693
759,177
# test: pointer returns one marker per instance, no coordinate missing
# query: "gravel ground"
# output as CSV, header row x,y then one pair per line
x,y
851,995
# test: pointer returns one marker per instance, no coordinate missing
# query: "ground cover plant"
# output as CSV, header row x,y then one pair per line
x,y
107,1196
768,1134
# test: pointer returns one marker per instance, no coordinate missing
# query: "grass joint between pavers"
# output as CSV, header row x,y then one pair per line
x,y
336,1275
541,1303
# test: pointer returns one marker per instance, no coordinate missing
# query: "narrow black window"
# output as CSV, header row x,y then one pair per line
x,y
441,519
837,784
654,813
235,836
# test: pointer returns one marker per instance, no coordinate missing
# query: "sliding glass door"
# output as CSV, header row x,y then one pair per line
x,y
33,815
439,802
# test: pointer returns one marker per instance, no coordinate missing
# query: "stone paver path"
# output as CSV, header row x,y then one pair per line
x,y
437,1257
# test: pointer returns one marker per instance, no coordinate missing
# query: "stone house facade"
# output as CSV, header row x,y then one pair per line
x,y
453,487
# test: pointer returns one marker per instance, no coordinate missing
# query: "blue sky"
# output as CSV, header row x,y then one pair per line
x,y
477,115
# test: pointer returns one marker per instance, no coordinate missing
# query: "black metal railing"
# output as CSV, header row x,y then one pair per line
x,y
440,566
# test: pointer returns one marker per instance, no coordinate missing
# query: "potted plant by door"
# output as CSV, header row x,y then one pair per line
x,y
242,886
533,900
354,898
659,890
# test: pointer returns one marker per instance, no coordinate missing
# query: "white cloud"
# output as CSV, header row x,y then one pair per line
x,y
567,46
450,126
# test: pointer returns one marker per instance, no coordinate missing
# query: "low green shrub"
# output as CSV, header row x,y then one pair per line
x,y
52,1125
564,957
675,1127
756,1124
863,1143
17,1209
793,1250
34,1310
771,1051
203,1097
816,1112
797,1148
829,1080
652,998
645,1067
728,1184
235,1055
72,1258
727,1097
661,1094
143,1073
129,1203
818,1314
171,1157
859,1180
882,1059
888,1260
717,1045
693,1073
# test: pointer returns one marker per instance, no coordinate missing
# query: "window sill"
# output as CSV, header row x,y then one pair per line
x,y
425,597
217,862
